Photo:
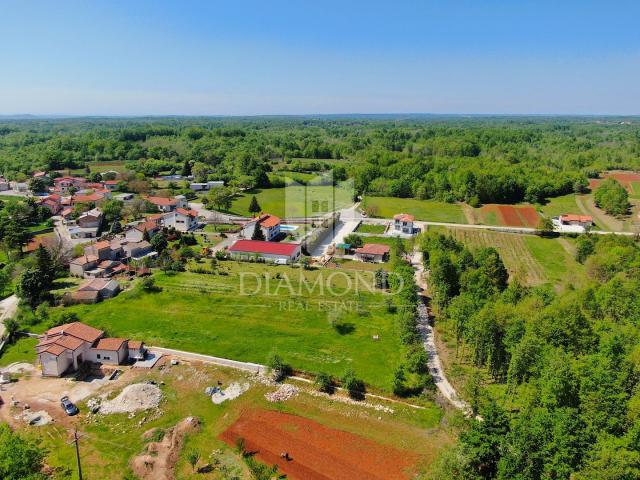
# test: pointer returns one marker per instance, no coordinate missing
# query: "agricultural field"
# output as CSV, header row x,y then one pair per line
x,y
245,312
530,259
506,215
629,180
113,445
427,210
294,201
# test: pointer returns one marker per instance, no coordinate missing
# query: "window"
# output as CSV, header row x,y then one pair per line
x,y
98,356
106,358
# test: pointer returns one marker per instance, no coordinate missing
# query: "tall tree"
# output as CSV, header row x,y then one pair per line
x,y
254,206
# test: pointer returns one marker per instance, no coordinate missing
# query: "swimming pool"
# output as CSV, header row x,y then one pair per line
x,y
288,228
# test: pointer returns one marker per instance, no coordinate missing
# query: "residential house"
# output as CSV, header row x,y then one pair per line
x,y
570,223
266,251
136,232
95,197
111,185
403,223
21,187
269,224
181,219
95,290
102,250
87,224
167,204
373,252
81,264
66,347
4,185
138,250
64,184
53,202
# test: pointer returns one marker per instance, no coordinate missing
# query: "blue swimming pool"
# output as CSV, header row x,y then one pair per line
x,y
288,228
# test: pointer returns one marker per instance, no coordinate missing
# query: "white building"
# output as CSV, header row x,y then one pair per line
x,y
205,186
181,219
570,223
403,223
269,224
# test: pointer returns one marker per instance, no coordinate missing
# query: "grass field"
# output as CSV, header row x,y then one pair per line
x,y
560,205
428,210
228,316
530,259
295,201
22,350
370,228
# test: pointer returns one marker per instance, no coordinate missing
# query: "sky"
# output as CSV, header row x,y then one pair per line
x,y
266,57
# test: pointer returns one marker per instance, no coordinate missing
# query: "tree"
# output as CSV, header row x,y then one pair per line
x,y
37,185
112,209
325,383
612,197
221,198
159,242
278,367
545,227
32,287
399,382
354,386
254,206
258,234
354,240
20,459
44,265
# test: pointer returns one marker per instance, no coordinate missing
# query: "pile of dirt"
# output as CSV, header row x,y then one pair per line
x,y
232,391
37,419
159,458
284,392
138,396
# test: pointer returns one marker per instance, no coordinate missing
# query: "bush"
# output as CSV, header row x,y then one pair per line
x,y
612,197
278,368
325,383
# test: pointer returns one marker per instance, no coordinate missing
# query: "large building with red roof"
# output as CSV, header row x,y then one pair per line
x,y
266,251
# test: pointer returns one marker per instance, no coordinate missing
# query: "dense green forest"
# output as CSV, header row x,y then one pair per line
x,y
569,364
476,159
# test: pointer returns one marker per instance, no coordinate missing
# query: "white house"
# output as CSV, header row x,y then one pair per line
x,y
166,204
269,224
373,252
65,347
266,251
181,219
570,223
403,223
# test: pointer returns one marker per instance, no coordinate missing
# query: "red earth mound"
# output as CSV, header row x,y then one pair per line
x,y
316,452
512,216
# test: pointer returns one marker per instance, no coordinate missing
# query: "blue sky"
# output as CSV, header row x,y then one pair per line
x,y
297,57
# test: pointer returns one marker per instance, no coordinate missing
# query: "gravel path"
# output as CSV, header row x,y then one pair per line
x,y
429,343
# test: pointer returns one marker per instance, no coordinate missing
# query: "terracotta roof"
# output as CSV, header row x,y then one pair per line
x,y
113,344
163,201
55,197
94,197
404,217
120,268
257,246
155,217
184,211
93,185
135,344
85,295
373,249
102,244
77,329
149,226
54,349
108,263
269,221
576,218
66,341
67,211
84,259
111,182
96,284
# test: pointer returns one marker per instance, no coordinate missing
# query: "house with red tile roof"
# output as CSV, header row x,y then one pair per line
x,y
373,252
269,224
258,250
168,204
572,223
181,219
63,348
403,223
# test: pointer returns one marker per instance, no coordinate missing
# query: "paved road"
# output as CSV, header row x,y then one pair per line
x,y
428,340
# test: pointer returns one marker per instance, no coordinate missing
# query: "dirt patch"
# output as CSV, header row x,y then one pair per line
x,y
316,452
160,458
232,391
625,179
37,418
512,216
139,396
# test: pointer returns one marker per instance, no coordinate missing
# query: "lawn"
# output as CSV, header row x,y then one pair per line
x,y
294,201
560,205
22,350
370,228
557,262
428,210
228,316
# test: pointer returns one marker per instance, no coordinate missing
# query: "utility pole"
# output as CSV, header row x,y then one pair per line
x,y
75,441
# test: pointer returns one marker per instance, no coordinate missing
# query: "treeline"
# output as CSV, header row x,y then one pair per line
x,y
480,160
565,366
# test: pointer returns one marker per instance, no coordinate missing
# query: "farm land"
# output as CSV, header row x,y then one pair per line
x,y
109,443
427,210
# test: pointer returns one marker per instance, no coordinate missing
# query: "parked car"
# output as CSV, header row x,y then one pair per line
x,y
68,406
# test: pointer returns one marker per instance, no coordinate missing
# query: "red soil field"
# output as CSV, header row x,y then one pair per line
x,y
625,179
316,452
512,216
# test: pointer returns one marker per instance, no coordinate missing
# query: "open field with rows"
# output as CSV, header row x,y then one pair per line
x,y
246,313
428,210
530,259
